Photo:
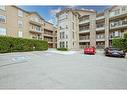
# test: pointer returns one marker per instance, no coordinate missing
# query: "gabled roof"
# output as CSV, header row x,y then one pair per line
x,y
19,8
74,11
36,14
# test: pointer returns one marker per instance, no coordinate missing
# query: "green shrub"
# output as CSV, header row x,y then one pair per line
x,y
10,44
125,35
62,49
120,43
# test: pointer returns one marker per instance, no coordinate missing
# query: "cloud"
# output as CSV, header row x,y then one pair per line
x,y
53,19
87,9
54,11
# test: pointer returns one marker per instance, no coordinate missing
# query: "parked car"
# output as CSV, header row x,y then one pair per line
x,y
89,50
116,52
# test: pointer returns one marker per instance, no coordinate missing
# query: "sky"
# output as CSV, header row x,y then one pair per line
x,y
48,12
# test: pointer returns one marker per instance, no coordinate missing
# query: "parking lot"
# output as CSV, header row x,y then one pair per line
x,y
62,70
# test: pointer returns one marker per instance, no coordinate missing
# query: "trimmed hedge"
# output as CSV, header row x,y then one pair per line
x,y
62,49
11,44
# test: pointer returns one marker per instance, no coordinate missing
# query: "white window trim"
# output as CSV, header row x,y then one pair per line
x,y
4,17
2,8
20,23
20,33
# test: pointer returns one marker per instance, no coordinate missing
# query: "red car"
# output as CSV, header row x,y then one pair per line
x,y
89,50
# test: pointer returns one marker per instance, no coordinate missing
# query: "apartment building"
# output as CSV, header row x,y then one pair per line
x,y
90,28
16,22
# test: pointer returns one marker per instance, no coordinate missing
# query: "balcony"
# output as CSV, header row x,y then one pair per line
x,y
84,21
84,39
100,46
84,31
100,27
115,37
118,24
100,39
35,30
35,22
48,40
100,18
120,12
84,46
48,34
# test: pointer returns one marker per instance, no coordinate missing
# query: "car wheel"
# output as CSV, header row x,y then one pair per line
x,y
106,54
123,56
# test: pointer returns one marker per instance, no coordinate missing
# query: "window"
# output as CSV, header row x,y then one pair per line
x,y
2,7
20,34
66,16
2,19
66,44
72,25
73,35
20,23
2,31
73,17
117,12
66,36
20,13
37,19
124,8
61,35
73,43
37,28
61,44
66,27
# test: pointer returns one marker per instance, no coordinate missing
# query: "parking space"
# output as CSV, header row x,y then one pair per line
x,y
62,70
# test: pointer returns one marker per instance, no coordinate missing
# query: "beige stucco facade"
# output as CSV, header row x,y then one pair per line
x,y
92,28
16,22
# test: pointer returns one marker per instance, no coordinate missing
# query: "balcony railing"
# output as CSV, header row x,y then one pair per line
x,y
84,46
100,17
84,38
48,33
100,39
84,30
118,24
35,30
100,27
112,37
35,22
84,21
49,40
100,46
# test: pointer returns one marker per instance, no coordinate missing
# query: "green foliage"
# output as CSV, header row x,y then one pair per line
x,y
10,44
125,35
120,43
62,49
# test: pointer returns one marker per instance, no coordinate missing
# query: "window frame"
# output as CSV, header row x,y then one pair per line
x,y
4,34
2,7
20,32
20,13
4,18
20,24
